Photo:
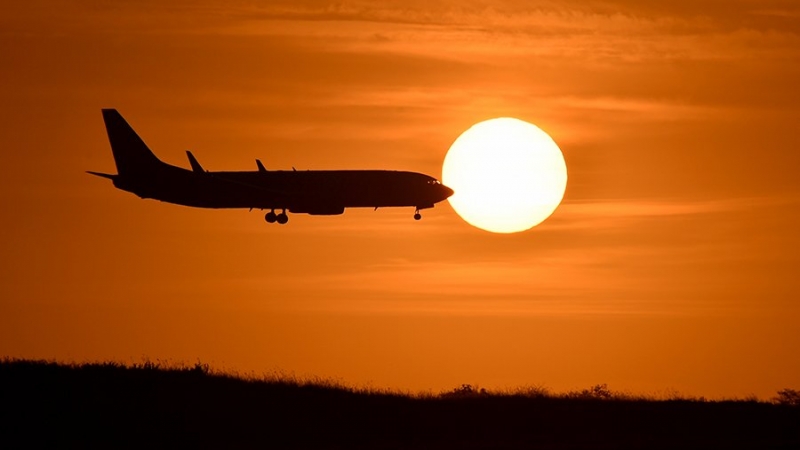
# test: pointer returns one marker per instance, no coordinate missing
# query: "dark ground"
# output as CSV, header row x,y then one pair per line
x,y
49,405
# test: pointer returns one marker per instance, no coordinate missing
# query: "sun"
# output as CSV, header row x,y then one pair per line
x,y
508,175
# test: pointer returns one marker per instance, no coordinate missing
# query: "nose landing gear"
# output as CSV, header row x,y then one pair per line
x,y
417,215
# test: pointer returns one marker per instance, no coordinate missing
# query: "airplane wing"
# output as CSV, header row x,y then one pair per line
x,y
280,196
282,199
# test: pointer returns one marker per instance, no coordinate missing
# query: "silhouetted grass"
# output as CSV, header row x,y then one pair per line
x,y
152,404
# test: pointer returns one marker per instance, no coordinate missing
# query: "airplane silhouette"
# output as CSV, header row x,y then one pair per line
x,y
315,192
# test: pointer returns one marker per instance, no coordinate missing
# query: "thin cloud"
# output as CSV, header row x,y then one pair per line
x,y
603,208
603,213
601,284
564,31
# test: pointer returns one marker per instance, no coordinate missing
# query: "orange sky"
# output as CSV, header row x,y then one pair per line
x,y
672,264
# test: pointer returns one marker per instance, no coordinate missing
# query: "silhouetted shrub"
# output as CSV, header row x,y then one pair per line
x,y
788,397
596,392
146,365
465,390
532,392
200,369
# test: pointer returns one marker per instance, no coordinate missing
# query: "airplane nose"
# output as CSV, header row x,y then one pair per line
x,y
446,192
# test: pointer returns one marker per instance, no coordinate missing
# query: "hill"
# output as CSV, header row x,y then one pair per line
x,y
46,404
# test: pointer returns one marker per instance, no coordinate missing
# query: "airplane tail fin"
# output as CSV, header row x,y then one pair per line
x,y
131,154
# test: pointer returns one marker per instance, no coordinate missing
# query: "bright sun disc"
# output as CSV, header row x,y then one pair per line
x,y
508,175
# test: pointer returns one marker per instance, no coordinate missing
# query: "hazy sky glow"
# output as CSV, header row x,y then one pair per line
x,y
671,264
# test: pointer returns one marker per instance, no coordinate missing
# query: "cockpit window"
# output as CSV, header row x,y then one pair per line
x,y
434,182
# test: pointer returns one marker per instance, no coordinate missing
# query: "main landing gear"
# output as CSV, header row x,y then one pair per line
x,y
417,215
281,218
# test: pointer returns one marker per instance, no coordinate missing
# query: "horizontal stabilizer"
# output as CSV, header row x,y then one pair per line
x,y
193,161
261,167
100,174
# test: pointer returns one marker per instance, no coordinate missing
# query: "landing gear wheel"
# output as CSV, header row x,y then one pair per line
x,y
282,218
271,217
417,216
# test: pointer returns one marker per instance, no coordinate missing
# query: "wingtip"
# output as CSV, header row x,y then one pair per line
x,y
196,167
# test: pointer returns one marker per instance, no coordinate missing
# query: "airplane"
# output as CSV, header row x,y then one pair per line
x,y
314,192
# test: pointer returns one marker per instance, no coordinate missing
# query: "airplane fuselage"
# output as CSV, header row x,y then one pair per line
x,y
318,192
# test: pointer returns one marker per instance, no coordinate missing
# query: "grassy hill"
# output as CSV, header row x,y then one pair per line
x,y
109,405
